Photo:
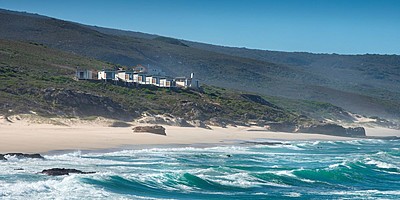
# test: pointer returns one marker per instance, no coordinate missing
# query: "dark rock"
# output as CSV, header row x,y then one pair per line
x,y
333,129
327,129
18,169
21,155
357,131
63,171
150,129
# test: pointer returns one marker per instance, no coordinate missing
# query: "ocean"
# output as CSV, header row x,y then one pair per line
x,y
359,169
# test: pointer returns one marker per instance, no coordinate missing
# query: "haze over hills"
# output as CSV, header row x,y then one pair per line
x,y
365,84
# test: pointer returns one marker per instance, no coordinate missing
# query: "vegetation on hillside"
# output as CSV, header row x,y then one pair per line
x,y
363,84
37,78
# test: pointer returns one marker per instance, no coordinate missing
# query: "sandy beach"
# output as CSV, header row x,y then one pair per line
x,y
28,137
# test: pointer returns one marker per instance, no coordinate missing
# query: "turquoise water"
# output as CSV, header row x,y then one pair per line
x,y
360,169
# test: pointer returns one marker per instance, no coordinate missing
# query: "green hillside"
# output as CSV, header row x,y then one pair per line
x,y
37,78
365,84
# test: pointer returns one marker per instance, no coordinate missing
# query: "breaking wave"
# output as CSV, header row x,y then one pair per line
x,y
300,169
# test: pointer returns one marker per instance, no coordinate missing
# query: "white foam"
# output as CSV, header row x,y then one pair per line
x,y
285,173
336,165
54,188
307,180
365,192
243,180
333,166
292,194
381,164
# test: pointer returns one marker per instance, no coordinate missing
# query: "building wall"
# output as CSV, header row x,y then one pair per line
x,y
121,75
168,84
180,83
84,74
141,79
155,81
101,75
148,80
109,75
128,77
131,76
163,82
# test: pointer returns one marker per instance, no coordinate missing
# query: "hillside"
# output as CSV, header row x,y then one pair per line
x,y
38,79
365,84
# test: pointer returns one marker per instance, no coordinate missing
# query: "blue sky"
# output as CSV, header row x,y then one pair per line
x,y
320,26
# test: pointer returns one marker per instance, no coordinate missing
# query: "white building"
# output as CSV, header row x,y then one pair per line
x,y
181,81
84,74
166,82
126,76
107,74
141,79
187,82
148,80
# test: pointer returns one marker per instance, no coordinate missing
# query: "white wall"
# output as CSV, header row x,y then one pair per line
x,y
148,80
121,75
163,82
180,84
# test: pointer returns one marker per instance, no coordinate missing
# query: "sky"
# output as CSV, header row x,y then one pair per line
x,y
318,26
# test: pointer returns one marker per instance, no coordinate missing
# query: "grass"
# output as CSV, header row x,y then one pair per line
x,y
38,78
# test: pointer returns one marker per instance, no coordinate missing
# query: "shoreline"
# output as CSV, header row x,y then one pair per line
x,y
27,137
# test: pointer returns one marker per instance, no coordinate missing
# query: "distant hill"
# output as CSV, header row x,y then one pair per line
x,y
365,84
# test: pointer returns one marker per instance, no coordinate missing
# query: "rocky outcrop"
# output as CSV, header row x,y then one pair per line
x,y
78,103
191,110
216,122
333,129
63,171
200,124
357,131
150,129
320,128
21,155
165,119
